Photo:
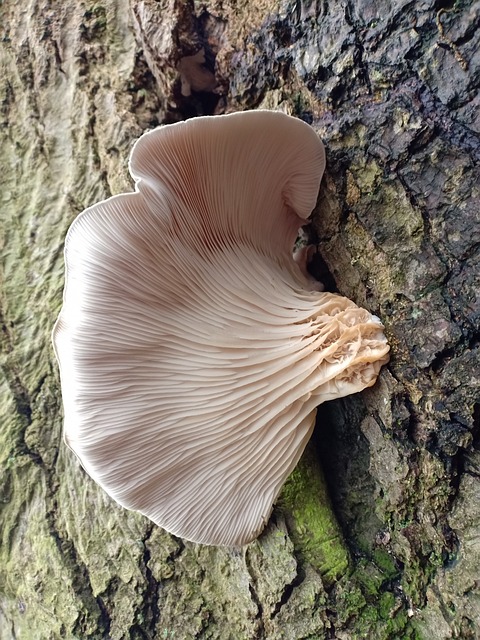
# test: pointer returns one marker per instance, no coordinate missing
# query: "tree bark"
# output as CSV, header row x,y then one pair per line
x,y
376,534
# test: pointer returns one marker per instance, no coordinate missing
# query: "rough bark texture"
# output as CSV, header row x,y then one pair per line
x,y
392,88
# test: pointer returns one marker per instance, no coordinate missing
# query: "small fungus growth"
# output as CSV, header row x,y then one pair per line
x,y
193,348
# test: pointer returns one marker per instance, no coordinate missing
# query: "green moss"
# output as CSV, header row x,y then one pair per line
x,y
379,622
387,602
385,562
367,603
352,601
369,577
314,529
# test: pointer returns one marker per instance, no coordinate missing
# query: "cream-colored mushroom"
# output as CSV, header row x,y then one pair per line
x,y
193,350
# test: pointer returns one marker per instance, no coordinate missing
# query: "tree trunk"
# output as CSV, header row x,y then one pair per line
x,y
387,546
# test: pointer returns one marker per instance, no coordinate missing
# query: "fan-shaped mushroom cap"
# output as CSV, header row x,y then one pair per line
x,y
192,349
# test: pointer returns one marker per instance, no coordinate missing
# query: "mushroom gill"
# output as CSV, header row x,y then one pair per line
x,y
193,351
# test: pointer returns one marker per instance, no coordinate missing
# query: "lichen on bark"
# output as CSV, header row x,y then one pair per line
x,y
392,89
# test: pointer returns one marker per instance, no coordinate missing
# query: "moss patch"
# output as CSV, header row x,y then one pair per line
x,y
314,529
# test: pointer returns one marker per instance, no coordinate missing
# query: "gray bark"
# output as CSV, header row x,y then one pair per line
x,y
376,535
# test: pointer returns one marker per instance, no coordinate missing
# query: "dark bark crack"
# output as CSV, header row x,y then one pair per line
x,y
359,57
260,630
454,132
21,396
151,606
288,590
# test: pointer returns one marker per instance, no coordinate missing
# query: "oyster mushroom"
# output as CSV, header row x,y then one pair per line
x,y
193,349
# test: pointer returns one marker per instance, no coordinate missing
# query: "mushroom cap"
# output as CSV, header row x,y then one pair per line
x,y
192,349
